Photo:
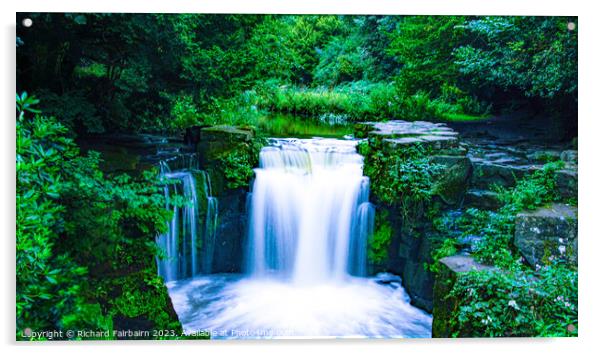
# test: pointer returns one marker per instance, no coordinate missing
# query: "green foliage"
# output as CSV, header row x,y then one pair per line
x,y
537,55
238,169
80,233
343,59
238,164
511,300
363,101
496,228
428,79
286,125
529,193
48,281
156,72
184,112
496,231
270,49
404,180
449,247
423,45
348,101
378,245
520,303
236,111
73,109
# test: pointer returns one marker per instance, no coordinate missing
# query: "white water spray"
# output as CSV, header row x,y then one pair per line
x,y
310,214
309,224
188,244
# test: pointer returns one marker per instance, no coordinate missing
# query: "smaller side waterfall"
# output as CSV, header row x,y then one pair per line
x,y
210,230
189,243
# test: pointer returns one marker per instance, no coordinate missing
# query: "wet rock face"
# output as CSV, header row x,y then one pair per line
x,y
487,173
503,163
228,256
547,233
216,140
412,249
570,157
567,182
462,264
411,253
214,144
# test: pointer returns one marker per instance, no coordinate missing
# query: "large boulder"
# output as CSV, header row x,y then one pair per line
x,y
216,143
567,182
570,157
218,139
547,233
443,304
452,184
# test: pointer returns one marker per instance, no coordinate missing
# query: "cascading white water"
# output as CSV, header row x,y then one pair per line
x,y
309,224
187,246
210,229
310,214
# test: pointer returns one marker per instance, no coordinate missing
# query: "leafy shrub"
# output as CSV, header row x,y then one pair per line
x,y
449,247
531,192
239,110
404,179
496,228
378,245
73,108
184,112
238,170
537,55
518,303
511,300
363,100
80,233
343,59
238,164
48,282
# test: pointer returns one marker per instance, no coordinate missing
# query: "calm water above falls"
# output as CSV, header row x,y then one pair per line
x,y
309,223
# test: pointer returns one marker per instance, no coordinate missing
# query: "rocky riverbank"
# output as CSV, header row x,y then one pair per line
x,y
473,168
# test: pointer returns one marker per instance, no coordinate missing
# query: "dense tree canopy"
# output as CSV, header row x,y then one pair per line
x,y
123,72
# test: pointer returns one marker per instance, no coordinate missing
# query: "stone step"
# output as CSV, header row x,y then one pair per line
x,y
482,199
486,173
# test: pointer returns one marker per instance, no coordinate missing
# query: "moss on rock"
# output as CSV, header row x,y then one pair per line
x,y
229,155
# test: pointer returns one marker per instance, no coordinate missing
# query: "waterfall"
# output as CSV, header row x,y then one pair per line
x,y
210,226
309,212
309,220
188,244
